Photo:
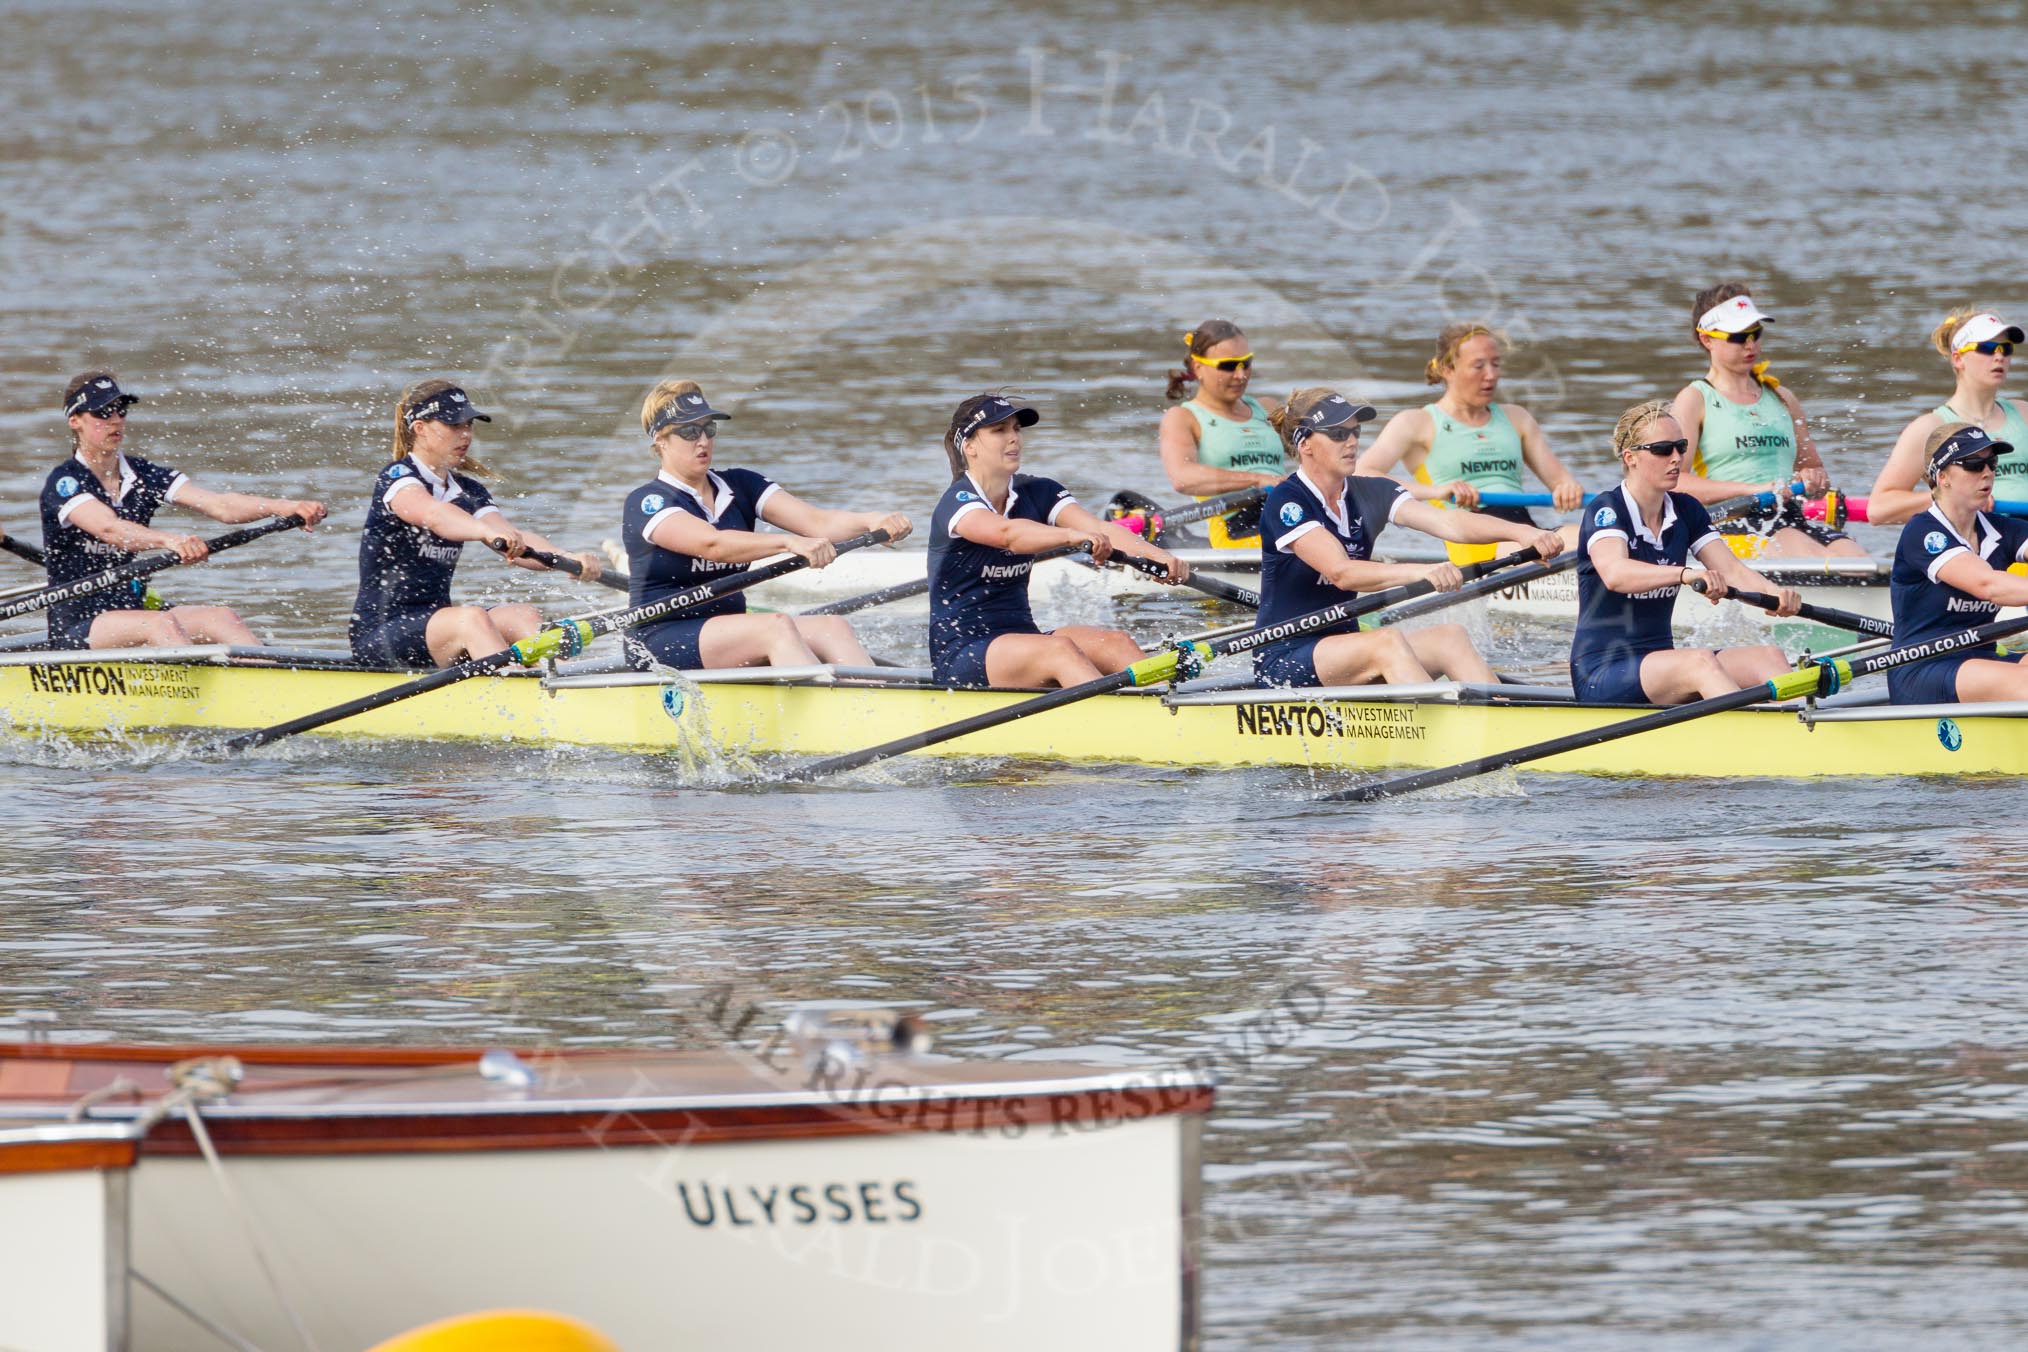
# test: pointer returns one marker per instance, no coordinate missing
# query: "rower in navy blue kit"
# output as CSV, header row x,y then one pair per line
x,y
428,503
1634,553
984,530
1950,574
97,508
693,524
1318,528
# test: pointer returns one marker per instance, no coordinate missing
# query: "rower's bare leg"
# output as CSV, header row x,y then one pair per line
x,y
1109,650
1752,666
753,641
831,638
1790,543
1679,675
1027,660
137,629
458,632
516,622
1446,650
1380,655
214,624
1983,680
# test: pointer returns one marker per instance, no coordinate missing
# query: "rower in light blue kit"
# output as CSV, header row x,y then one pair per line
x,y
1747,434
693,524
1220,440
1318,529
1950,574
97,508
428,504
1634,553
984,530
1979,345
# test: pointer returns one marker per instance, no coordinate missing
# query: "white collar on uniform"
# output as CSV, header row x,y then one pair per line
x,y
998,511
127,476
444,489
721,495
1989,534
1336,510
1641,527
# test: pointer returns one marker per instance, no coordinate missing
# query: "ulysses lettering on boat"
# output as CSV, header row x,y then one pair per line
x,y
864,1202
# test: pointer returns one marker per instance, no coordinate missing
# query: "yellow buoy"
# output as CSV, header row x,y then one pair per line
x,y
501,1331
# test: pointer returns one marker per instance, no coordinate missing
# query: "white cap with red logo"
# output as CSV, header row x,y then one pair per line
x,y
1983,329
1732,316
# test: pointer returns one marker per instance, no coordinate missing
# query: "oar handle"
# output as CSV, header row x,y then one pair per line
x,y
1151,524
1830,615
139,568
564,563
1210,586
21,549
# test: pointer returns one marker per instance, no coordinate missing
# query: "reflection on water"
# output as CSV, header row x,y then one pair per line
x,y
1587,1063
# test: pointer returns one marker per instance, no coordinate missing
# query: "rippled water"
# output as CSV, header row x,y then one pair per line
x,y
1582,1063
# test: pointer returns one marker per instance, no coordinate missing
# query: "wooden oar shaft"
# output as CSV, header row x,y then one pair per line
x,y
1829,615
565,638
128,572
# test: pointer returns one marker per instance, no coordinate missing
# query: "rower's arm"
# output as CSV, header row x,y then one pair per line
x,y
791,513
237,509
1020,536
682,533
1321,550
1405,441
1975,577
1076,518
445,520
1809,465
1627,575
1475,528
100,522
1565,492
1188,474
1898,493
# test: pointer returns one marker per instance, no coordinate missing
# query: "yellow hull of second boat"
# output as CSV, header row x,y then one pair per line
x,y
101,699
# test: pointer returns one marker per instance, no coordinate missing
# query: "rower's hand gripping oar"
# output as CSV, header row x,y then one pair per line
x,y
139,568
1183,661
564,638
1217,588
1830,615
564,563
1825,676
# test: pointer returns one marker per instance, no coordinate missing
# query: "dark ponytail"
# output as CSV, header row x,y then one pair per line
x,y
1199,341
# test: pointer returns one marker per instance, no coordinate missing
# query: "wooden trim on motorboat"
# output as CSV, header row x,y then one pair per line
x,y
52,1157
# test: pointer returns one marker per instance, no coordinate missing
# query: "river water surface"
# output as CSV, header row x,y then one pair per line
x,y
1582,1063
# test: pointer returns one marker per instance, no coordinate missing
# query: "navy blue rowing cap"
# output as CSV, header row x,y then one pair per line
x,y
99,395
446,406
1332,411
983,410
1967,443
685,409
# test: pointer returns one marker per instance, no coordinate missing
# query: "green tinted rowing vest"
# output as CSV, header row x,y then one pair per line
x,y
2010,475
1752,445
1488,458
1224,444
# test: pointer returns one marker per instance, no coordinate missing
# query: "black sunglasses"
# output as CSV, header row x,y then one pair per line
x,y
1977,464
1343,432
1676,447
696,431
1988,349
106,414
1751,335
1228,363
